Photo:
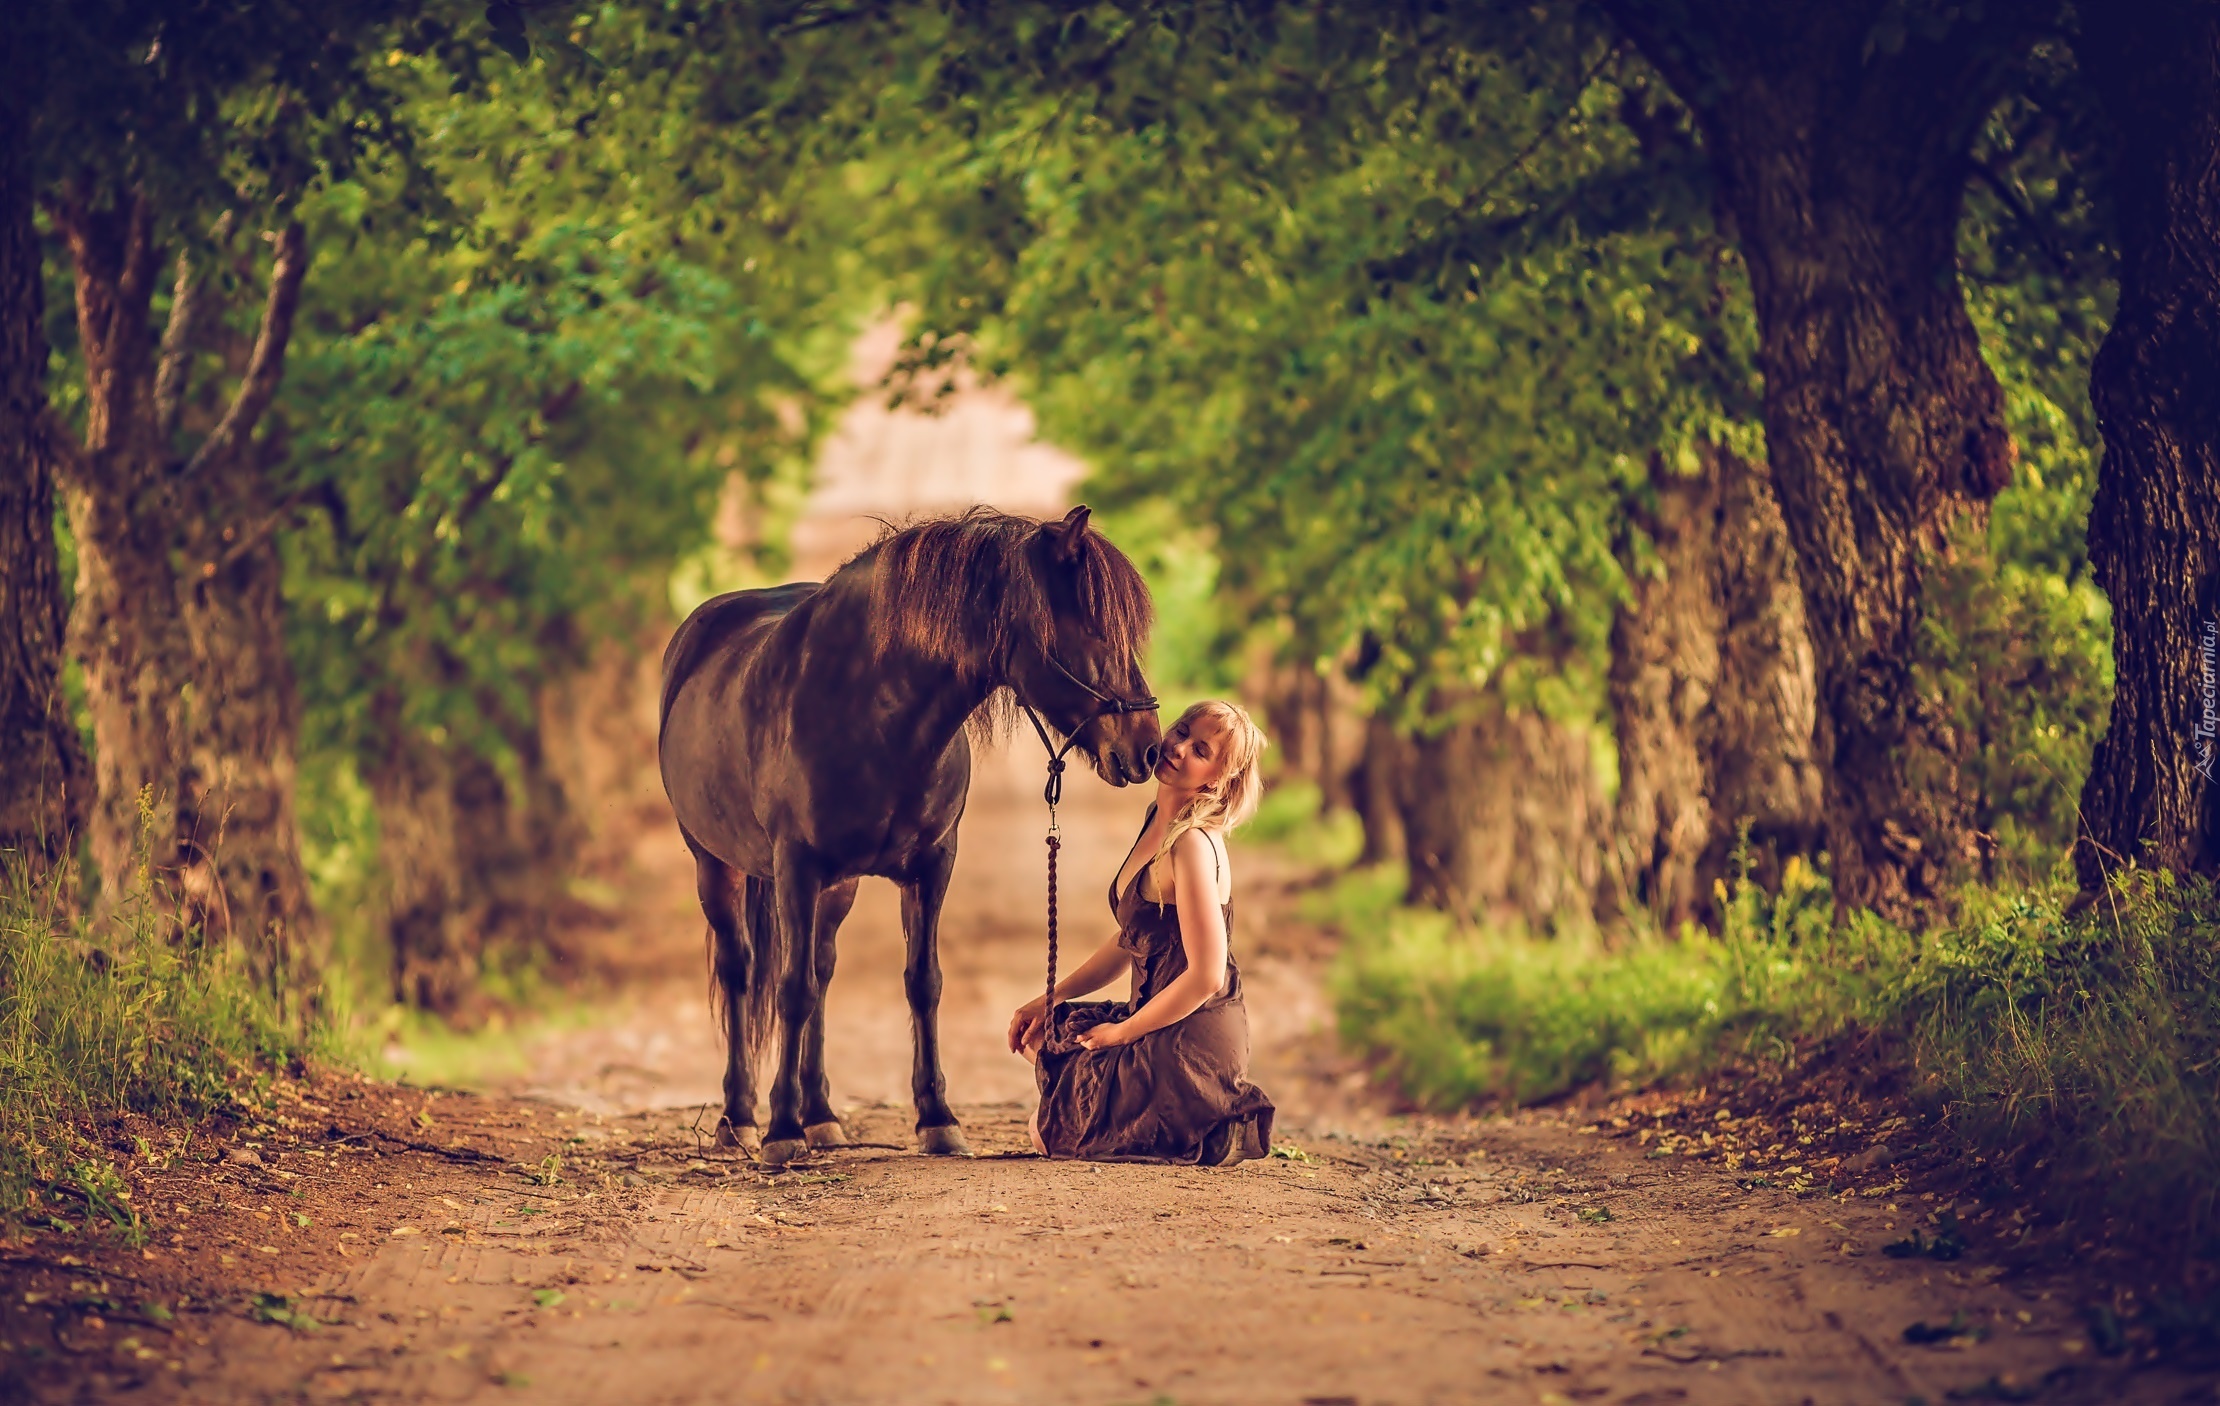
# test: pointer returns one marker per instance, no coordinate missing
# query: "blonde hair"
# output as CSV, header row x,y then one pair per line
x,y
1233,797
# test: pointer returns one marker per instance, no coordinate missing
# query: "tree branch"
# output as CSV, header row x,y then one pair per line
x,y
266,367
177,338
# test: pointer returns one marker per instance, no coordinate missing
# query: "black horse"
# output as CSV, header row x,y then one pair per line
x,y
812,734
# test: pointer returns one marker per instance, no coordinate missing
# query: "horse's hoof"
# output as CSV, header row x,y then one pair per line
x,y
944,1141
780,1152
746,1136
827,1134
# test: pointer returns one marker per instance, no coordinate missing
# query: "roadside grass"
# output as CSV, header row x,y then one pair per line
x,y
2075,1051
413,1047
1458,1016
99,1020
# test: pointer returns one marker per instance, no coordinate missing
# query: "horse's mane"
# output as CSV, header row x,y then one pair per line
x,y
961,590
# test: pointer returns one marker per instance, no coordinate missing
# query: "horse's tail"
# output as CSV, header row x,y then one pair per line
x,y
766,964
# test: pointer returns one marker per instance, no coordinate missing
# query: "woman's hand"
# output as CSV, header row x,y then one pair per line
x,y
1028,1023
1108,1035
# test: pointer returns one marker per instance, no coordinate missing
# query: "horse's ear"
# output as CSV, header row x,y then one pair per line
x,y
1065,538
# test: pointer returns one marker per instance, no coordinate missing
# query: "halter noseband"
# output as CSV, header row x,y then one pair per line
x,y
1106,706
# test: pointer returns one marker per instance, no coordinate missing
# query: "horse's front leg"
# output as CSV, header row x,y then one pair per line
x,y
820,1125
937,1131
795,889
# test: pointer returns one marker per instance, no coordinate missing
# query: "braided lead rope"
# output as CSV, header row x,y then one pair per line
x,y
1053,793
1055,843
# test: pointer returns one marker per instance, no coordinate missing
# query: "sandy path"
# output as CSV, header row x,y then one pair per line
x,y
1393,1261
1384,1261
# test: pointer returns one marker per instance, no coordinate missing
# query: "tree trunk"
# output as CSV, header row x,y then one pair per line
x,y
1373,788
476,867
1502,817
1663,679
1315,721
236,792
2154,528
1763,762
43,773
598,729
435,951
191,692
1839,137
1711,699
124,628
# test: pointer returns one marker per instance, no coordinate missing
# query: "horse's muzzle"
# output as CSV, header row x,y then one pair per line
x,y
1129,760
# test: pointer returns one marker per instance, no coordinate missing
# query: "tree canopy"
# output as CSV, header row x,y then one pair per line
x,y
1416,324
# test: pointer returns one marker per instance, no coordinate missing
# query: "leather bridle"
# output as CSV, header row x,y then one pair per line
x,y
1106,706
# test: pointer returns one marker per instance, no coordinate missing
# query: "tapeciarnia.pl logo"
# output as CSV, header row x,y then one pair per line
x,y
2208,689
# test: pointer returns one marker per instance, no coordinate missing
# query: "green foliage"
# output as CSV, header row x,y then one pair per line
x,y
514,421
2021,656
2078,1050
202,108
531,365
1294,820
2085,1046
1372,319
1461,1015
99,1019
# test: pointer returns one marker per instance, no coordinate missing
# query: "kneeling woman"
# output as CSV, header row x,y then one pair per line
x,y
1162,1077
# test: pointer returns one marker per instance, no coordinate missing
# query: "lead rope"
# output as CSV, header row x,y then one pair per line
x,y
1053,793
1055,843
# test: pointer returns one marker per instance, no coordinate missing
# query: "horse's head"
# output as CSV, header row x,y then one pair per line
x,y
1083,674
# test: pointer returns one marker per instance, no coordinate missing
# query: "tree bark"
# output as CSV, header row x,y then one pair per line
x,y
179,618
1763,753
1373,788
1315,721
1711,689
2154,528
434,950
1663,679
597,727
1838,135
43,773
236,789
1502,817
475,875
124,628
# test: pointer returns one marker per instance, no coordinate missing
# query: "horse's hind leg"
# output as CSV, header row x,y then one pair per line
x,y
820,1125
719,886
937,1130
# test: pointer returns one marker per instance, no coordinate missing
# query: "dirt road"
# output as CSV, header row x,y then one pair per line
x,y
572,1238
1381,1260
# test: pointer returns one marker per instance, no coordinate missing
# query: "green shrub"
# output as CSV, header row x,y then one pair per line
x,y
2081,1047
2078,1051
1464,1015
100,1020
1293,819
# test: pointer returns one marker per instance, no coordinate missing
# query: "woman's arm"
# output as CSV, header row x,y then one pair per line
x,y
1202,932
1108,963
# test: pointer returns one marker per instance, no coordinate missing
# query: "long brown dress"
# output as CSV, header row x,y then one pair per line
x,y
1176,1093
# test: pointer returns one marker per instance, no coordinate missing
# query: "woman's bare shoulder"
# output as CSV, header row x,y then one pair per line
x,y
1205,851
